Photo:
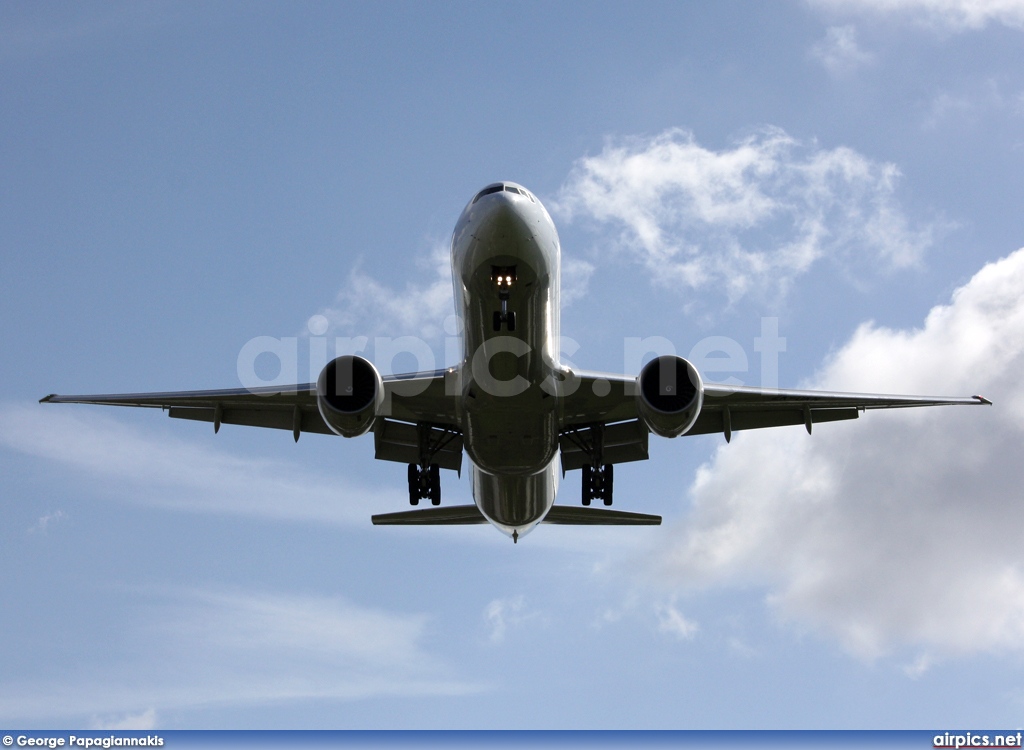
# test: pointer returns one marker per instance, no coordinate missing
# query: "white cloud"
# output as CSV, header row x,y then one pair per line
x,y
952,15
839,51
918,667
751,217
672,621
217,648
576,274
901,529
44,522
366,307
141,466
508,612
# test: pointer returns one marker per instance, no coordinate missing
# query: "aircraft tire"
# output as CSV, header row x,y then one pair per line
x,y
414,485
435,484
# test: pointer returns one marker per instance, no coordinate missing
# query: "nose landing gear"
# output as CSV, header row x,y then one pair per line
x,y
503,278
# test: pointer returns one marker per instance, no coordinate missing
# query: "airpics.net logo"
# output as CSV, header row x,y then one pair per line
x,y
267,361
969,739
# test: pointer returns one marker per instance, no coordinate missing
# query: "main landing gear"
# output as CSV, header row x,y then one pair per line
x,y
424,483
504,277
598,477
425,477
597,483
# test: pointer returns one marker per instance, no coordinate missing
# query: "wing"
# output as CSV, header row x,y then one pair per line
x,y
601,408
419,398
728,408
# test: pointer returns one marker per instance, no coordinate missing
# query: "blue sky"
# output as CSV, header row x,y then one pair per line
x,y
179,179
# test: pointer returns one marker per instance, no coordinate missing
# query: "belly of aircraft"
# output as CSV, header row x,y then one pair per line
x,y
511,441
515,503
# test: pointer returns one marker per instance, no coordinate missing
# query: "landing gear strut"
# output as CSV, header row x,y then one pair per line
x,y
598,476
425,477
504,277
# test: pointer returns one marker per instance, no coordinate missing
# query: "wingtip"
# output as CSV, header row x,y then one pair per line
x,y
48,399
982,400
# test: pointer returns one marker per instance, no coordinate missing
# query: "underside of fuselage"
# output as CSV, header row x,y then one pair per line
x,y
505,268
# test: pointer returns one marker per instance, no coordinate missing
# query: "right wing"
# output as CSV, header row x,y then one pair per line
x,y
602,407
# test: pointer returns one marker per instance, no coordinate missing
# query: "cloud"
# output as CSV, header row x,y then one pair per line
x,y
751,217
576,274
204,648
501,614
140,466
839,51
899,530
951,15
672,621
44,522
366,307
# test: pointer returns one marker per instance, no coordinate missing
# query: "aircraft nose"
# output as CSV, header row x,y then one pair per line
x,y
503,213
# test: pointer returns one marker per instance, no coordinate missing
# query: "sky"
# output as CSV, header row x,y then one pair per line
x,y
180,180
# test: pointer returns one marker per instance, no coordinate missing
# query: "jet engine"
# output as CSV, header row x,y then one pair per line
x,y
350,393
670,394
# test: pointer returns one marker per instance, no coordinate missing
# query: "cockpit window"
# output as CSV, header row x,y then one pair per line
x,y
507,188
488,191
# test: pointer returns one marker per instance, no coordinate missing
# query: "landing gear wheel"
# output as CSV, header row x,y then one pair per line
x,y
511,321
435,484
606,491
588,484
414,484
497,320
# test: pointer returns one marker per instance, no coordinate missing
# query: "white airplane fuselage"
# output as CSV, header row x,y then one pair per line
x,y
506,241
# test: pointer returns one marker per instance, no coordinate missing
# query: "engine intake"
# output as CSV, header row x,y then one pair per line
x,y
350,393
670,394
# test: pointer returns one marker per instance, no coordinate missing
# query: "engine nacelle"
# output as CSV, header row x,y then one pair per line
x,y
350,394
670,394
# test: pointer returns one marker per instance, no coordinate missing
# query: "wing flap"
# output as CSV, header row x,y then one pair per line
x,y
621,443
279,418
716,396
399,441
713,421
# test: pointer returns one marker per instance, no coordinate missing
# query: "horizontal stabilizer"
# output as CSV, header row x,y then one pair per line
x,y
451,515
566,515
572,515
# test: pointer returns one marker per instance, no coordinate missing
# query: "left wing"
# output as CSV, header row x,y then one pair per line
x,y
419,398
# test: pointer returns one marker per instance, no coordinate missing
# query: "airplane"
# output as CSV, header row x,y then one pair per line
x,y
521,416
